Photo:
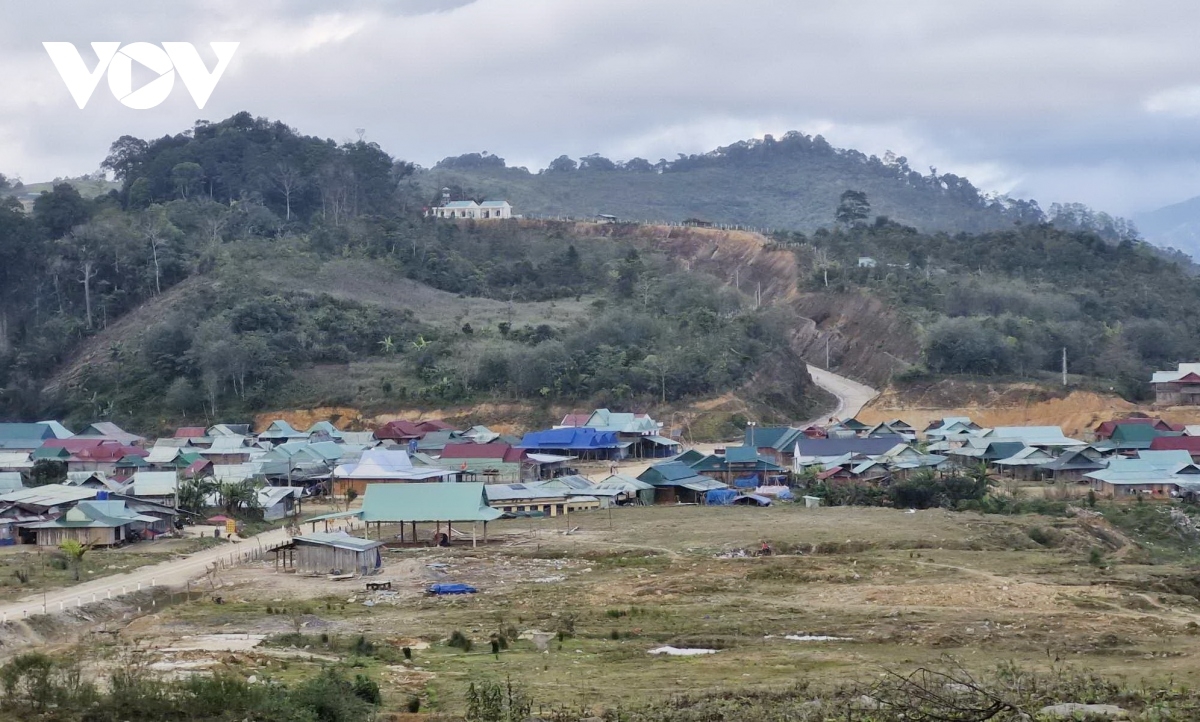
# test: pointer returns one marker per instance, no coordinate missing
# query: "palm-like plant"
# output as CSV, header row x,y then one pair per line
x,y
73,550
194,494
388,345
237,495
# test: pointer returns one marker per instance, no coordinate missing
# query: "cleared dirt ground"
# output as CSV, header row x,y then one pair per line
x,y
896,588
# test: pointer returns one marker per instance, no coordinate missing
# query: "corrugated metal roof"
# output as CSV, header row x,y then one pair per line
x,y
154,483
622,482
338,539
10,480
426,502
703,483
49,495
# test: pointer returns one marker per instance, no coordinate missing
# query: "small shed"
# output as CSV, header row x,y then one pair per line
x,y
335,553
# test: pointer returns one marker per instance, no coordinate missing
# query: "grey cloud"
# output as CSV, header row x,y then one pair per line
x,y
1046,99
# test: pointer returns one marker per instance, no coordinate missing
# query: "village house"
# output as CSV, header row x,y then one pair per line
x,y
1129,438
776,443
584,443
109,430
739,466
471,209
846,429
1190,444
1105,430
677,483
642,433
100,523
540,497
1180,387
25,438
1026,464
1157,474
1073,465
383,466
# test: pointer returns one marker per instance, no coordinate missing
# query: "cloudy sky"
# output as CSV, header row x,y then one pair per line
x,y
1082,100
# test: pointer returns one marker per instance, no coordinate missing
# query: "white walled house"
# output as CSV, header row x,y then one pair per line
x,y
473,210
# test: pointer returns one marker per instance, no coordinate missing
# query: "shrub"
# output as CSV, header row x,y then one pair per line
x,y
367,690
459,640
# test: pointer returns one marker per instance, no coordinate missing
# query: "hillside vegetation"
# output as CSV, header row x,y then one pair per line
x,y
790,183
1006,303
243,266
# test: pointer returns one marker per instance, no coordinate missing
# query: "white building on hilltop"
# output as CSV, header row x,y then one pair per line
x,y
470,209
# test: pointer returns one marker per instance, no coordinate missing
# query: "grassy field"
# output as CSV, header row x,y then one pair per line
x,y
26,570
894,589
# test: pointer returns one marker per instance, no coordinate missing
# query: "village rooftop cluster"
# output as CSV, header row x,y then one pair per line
x,y
112,486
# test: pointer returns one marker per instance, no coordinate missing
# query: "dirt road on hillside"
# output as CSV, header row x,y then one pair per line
x,y
851,395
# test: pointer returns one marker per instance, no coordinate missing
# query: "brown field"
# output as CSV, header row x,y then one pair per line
x,y
900,589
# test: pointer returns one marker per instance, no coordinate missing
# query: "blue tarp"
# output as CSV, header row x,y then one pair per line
x,y
746,482
785,495
451,589
720,497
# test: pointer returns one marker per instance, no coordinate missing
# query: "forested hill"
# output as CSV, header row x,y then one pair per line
x,y
244,267
792,183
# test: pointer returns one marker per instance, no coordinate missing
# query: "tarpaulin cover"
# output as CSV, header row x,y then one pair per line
x,y
719,497
752,500
452,589
746,482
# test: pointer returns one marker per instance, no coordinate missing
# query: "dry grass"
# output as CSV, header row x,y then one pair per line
x,y
904,588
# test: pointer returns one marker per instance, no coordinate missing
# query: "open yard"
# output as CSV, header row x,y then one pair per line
x,y
848,593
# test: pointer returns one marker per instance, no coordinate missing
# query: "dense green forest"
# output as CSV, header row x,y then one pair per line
x,y
205,289
792,183
1007,302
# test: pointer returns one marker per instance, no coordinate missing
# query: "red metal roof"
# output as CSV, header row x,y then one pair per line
x,y
95,449
190,432
1190,444
434,425
495,450
399,430
575,420
1106,429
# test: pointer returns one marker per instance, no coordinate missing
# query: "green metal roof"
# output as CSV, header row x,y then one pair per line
x,y
1134,433
741,454
426,502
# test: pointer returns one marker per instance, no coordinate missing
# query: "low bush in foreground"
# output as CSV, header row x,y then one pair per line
x,y
37,686
947,693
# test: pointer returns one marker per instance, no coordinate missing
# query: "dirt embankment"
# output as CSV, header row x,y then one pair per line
x,y
999,404
865,339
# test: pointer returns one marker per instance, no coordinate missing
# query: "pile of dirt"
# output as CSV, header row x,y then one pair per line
x,y
989,405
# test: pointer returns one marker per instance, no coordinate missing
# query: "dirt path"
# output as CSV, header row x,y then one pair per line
x,y
851,395
175,572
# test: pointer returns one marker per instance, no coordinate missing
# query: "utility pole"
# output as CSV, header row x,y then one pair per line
x,y
1064,365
